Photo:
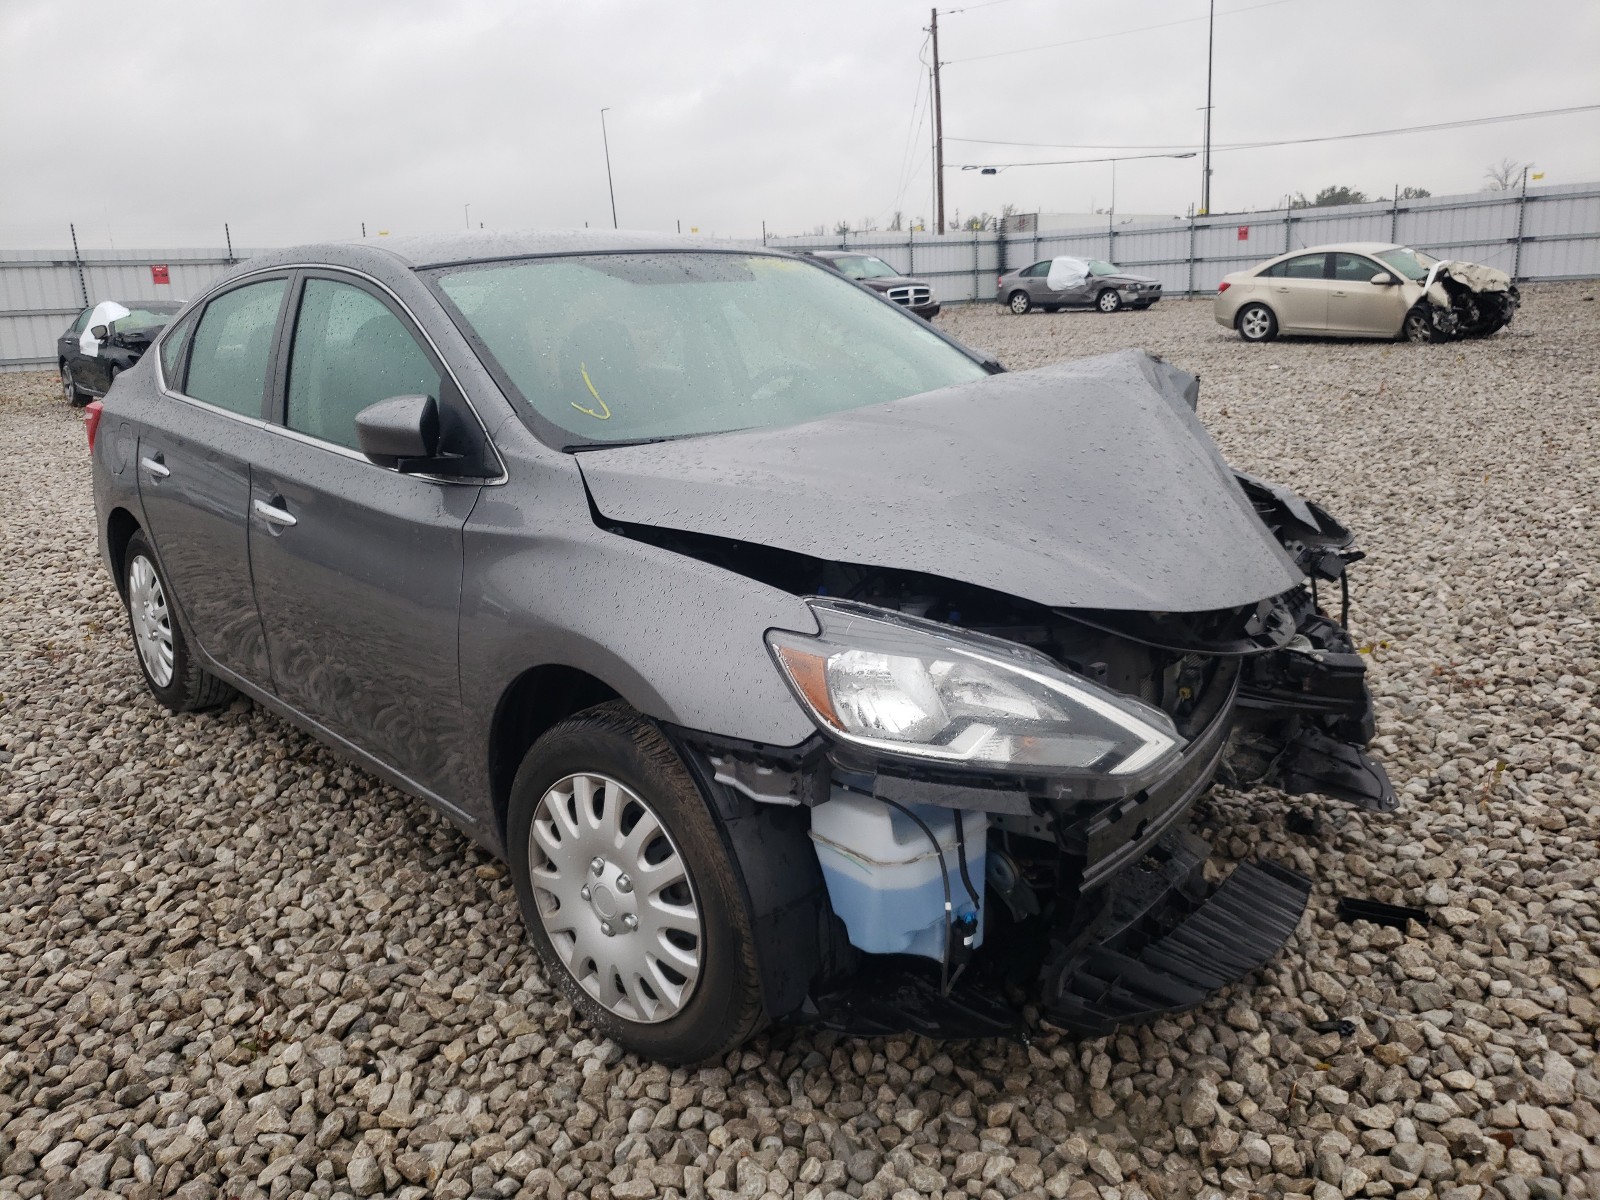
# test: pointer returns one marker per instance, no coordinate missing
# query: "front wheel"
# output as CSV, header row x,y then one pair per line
x,y
1257,324
1020,302
1108,301
628,894
1418,325
171,673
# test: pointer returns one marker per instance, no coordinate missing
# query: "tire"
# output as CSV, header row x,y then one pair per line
x,y
69,389
1418,325
1019,302
613,759
111,378
174,678
1256,323
1108,301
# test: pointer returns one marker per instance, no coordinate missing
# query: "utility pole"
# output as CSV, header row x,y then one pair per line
x,y
607,144
938,128
1205,167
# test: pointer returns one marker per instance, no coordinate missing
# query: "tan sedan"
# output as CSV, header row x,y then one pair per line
x,y
1364,290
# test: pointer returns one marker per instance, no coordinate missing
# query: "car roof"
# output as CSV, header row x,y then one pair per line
x,y
147,305
432,250
1350,247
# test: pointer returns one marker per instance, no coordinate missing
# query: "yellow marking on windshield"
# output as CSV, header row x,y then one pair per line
x,y
589,412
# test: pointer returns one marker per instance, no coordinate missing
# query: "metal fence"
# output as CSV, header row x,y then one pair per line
x,y
41,291
1545,233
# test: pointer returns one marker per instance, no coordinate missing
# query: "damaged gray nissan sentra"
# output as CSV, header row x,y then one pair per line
x,y
803,664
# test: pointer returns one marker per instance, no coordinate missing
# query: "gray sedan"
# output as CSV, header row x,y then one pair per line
x,y
1102,286
801,663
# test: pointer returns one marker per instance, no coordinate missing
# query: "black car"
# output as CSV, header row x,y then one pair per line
x,y
106,339
873,272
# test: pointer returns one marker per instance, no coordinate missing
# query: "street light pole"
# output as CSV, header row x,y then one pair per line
x,y
467,209
1205,165
607,144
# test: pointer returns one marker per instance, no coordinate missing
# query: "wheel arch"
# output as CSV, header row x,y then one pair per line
x,y
1248,305
535,701
121,525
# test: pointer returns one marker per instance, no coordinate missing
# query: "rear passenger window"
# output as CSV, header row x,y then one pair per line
x,y
1307,266
350,351
172,353
232,344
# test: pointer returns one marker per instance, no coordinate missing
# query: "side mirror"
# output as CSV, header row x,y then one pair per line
x,y
98,333
1384,279
399,428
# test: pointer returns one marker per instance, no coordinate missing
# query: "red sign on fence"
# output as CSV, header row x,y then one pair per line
x,y
1244,233
158,273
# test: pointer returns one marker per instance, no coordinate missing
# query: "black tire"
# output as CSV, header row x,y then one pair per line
x,y
1418,325
111,378
70,390
1108,300
190,687
724,1009
1019,302
1256,323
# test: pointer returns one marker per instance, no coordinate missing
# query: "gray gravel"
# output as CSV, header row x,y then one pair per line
x,y
231,965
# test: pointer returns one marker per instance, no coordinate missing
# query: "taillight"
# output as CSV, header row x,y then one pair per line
x,y
91,420
1223,286
999,282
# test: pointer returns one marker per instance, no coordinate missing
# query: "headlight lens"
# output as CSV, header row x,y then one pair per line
x,y
895,683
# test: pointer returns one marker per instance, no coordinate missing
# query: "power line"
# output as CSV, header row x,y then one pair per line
x,y
948,12
1100,37
1335,137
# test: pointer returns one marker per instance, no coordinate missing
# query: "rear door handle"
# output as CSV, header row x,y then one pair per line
x,y
273,515
155,466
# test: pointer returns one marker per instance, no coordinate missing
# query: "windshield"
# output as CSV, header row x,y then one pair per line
x,y
144,320
1101,267
1413,264
865,266
624,347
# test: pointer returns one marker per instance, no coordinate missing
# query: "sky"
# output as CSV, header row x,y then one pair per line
x,y
296,121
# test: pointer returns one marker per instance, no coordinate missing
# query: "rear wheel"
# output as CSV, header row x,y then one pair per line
x,y
171,673
627,892
1108,301
1257,324
1020,302
70,389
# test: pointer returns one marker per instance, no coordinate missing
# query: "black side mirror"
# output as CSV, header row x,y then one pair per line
x,y
398,429
98,333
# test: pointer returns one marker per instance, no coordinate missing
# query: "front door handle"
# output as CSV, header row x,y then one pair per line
x,y
273,515
155,466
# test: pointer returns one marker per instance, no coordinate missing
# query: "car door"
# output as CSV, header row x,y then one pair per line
x,y
68,346
1037,280
194,452
1297,292
1358,306
358,566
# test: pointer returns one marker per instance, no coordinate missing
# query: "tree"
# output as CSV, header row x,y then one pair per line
x,y
898,223
1412,193
841,229
1504,175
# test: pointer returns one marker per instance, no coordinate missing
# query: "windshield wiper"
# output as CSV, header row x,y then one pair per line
x,y
575,447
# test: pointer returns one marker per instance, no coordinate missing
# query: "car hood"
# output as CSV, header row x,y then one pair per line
x,y
885,282
1082,485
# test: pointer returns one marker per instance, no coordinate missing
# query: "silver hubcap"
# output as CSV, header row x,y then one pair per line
x,y
1108,302
152,624
1019,304
1255,324
66,382
615,898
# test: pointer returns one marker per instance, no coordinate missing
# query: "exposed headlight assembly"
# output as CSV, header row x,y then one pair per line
x,y
918,689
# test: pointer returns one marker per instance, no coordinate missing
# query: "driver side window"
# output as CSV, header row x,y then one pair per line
x,y
350,351
82,322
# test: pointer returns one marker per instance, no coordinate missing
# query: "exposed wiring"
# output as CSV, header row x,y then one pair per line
x,y
945,980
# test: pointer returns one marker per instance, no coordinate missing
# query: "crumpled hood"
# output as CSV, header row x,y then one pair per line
x,y
1082,485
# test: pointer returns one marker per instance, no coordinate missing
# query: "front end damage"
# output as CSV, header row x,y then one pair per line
x,y
1018,704
1463,300
1095,906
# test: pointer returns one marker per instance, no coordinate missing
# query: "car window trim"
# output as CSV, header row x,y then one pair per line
x,y
293,273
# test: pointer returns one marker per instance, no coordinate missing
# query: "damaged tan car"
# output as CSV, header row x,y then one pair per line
x,y
1366,290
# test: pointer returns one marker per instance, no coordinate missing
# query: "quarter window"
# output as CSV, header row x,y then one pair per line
x,y
232,346
350,351
172,354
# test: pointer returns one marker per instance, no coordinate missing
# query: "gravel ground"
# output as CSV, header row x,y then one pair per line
x,y
231,965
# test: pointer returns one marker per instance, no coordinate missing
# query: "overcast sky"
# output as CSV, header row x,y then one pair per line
x,y
150,125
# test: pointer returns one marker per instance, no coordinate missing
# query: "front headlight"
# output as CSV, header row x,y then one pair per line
x,y
894,683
